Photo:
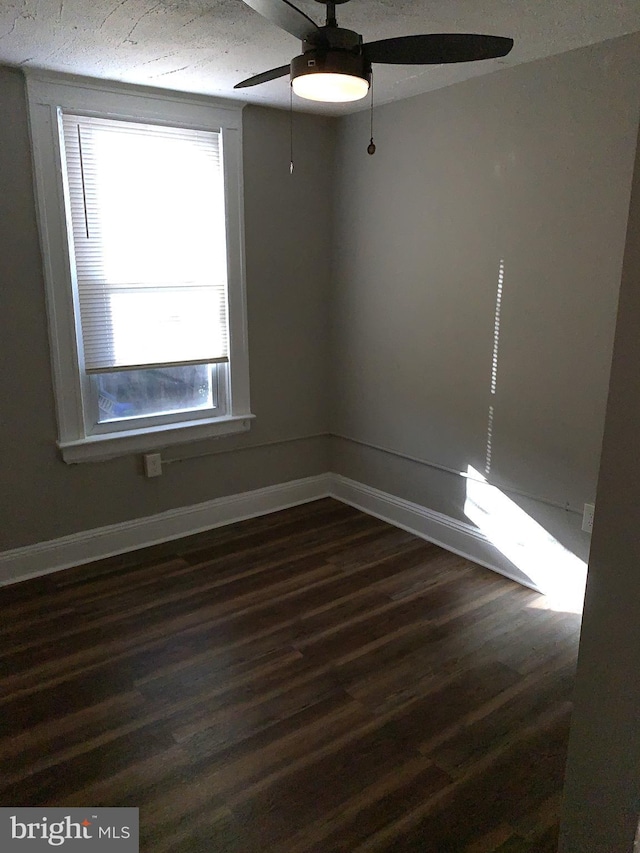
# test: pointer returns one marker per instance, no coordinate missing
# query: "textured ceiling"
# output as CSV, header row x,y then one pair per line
x,y
207,46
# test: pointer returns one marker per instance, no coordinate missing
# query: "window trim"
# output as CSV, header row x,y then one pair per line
x,y
49,93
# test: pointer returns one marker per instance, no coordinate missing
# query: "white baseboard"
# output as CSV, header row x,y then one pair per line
x,y
451,534
45,557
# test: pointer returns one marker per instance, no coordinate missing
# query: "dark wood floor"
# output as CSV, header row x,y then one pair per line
x,y
313,680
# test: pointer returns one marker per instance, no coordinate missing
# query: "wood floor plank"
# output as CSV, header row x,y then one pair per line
x,y
371,809
335,778
312,681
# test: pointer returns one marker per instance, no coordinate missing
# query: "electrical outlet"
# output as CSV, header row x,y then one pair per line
x,y
152,464
587,517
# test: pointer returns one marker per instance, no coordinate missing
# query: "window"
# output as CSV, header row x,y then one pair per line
x,y
140,204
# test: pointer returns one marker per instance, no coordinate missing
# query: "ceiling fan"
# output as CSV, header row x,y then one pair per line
x,y
336,65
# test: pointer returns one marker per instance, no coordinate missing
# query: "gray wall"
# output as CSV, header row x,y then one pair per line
x,y
287,251
602,792
531,167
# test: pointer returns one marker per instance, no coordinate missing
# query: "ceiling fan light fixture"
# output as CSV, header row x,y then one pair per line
x,y
334,88
332,76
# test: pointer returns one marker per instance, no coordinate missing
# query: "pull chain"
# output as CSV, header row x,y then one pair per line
x,y
84,191
371,148
291,128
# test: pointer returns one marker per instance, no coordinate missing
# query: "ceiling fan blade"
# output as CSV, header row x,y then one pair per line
x,y
286,16
264,77
436,49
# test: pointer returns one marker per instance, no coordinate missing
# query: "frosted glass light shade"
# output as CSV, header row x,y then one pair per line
x,y
331,87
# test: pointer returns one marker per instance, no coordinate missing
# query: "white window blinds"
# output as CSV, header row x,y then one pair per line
x,y
148,232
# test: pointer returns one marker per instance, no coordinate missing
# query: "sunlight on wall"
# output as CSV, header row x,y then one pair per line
x,y
554,570
494,367
496,329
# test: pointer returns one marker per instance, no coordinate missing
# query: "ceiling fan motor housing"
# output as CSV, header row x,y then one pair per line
x,y
333,37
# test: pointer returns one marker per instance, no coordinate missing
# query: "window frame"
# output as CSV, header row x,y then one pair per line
x,y
48,96
219,379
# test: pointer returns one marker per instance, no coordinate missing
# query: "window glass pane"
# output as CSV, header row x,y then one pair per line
x,y
159,205
155,391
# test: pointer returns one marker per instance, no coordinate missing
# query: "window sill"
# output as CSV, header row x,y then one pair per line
x,y
107,446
